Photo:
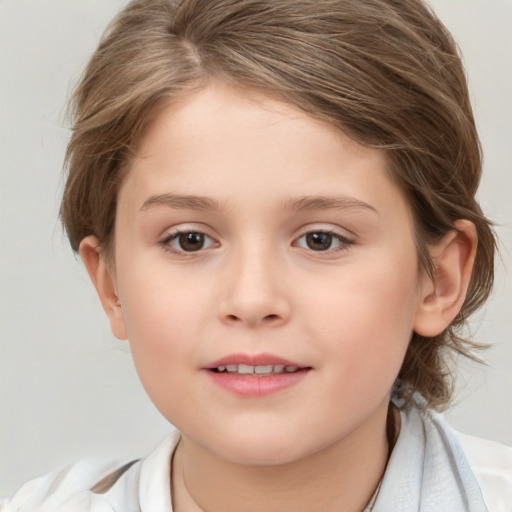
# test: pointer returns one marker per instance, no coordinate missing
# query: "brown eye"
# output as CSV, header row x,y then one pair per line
x,y
190,242
323,241
319,241
182,242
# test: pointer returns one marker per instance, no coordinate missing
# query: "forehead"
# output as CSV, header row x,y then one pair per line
x,y
237,146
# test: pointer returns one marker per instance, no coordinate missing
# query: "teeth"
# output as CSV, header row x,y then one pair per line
x,y
245,369
263,369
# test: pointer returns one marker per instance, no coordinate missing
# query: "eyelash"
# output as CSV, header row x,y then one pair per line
x,y
167,243
343,242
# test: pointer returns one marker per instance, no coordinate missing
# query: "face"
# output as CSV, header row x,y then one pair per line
x,y
266,269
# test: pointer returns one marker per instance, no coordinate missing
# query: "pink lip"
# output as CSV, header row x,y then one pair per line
x,y
252,385
252,360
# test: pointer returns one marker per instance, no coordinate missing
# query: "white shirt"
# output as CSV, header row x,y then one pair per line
x,y
144,485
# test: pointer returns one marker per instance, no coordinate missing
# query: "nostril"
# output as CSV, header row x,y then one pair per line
x,y
267,318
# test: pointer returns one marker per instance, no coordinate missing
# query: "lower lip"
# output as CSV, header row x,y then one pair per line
x,y
253,386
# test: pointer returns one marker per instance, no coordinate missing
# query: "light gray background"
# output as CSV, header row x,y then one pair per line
x,y
68,388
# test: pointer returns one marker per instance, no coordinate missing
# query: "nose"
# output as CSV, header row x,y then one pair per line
x,y
254,292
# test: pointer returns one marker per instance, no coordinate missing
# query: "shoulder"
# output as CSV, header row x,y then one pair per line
x,y
491,464
99,486
475,471
69,489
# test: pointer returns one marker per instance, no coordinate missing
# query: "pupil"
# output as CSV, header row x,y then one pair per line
x,y
191,241
319,241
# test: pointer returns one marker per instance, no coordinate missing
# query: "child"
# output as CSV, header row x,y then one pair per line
x,y
276,203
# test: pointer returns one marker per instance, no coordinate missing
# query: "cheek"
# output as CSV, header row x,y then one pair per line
x,y
366,316
160,300
164,329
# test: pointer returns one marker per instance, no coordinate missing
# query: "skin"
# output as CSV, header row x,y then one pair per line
x,y
256,286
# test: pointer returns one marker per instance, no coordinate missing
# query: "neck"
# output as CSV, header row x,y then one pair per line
x,y
342,476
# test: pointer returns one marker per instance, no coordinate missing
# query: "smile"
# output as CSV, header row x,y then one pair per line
x,y
260,371
257,375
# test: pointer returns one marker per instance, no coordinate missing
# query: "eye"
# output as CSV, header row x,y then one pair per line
x,y
187,241
322,241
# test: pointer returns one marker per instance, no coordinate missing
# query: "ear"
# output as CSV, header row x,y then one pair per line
x,y
104,282
443,296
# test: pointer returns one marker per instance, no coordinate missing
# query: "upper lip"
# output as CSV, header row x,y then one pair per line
x,y
253,360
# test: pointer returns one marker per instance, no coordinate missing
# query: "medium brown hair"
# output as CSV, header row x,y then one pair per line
x,y
385,72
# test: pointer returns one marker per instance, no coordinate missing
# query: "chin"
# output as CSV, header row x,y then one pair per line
x,y
263,448
261,455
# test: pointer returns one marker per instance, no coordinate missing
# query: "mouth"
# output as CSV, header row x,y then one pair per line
x,y
259,370
256,364
256,375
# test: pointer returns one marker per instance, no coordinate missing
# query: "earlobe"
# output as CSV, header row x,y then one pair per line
x,y
104,282
443,296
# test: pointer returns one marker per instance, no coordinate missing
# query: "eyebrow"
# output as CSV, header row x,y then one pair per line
x,y
327,203
185,202
305,203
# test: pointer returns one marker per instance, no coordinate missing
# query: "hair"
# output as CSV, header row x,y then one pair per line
x,y
385,72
